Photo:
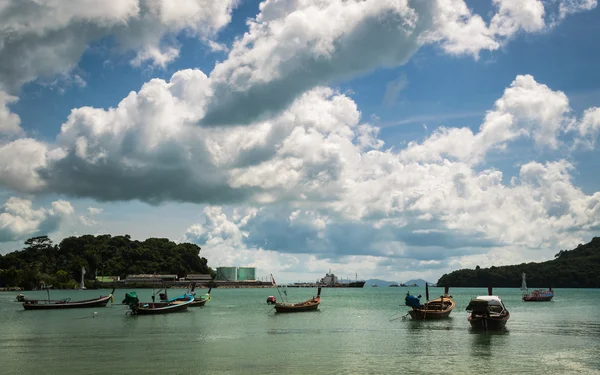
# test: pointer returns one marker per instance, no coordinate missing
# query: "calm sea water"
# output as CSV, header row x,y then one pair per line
x,y
355,331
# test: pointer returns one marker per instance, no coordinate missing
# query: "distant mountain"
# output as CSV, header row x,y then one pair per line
x,y
379,282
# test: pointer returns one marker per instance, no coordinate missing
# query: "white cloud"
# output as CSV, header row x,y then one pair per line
x,y
43,39
9,122
567,7
19,220
292,47
92,211
588,128
527,109
515,15
393,89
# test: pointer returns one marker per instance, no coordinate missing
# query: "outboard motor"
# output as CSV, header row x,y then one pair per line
x,y
412,301
271,300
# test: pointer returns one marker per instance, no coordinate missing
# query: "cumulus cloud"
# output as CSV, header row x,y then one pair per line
x,y
527,109
292,47
20,220
47,38
9,122
88,219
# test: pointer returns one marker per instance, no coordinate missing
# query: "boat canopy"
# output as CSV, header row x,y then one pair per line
x,y
492,300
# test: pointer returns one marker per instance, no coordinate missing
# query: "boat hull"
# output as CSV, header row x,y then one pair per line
x,y
310,305
488,324
160,308
59,305
537,299
291,309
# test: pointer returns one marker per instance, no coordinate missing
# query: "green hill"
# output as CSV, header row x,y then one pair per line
x,y
60,265
577,268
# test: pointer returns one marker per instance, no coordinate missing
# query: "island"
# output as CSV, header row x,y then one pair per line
x,y
577,268
60,265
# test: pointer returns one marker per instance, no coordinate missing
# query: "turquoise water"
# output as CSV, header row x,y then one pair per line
x,y
355,331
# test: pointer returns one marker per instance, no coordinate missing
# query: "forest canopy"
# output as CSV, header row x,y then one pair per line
x,y
577,268
60,265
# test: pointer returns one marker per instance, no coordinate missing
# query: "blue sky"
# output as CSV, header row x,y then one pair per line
x,y
446,80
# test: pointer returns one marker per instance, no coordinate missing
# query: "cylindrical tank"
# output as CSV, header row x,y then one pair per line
x,y
227,273
246,273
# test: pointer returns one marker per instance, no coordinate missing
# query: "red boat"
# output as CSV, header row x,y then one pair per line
x,y
538,295
47,304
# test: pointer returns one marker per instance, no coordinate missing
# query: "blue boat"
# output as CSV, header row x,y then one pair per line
x,y
152,308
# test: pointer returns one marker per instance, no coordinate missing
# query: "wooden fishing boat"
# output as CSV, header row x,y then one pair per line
x,y
48,304
309,305
438,308
197,302
538,295
154,308
488,312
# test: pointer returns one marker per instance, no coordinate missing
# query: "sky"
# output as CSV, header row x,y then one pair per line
x,y
391,139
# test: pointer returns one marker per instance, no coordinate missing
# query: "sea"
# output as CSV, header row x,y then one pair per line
x,y
355,331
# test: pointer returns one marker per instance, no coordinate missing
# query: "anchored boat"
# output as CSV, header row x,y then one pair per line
x,y
538,295
48,304
154,308
488,312
309,305
438,308
197,302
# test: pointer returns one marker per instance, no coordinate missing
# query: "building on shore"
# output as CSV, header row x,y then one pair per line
x,y
198,278
108,279
150,278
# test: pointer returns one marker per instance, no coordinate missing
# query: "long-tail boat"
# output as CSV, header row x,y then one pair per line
x,y
487,312
538,295
197,302
153,308
435,309
48,304
308,305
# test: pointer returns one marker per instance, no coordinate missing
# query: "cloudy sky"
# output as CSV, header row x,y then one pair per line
x,y
389,138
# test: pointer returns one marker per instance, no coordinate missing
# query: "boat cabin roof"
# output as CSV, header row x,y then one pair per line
x,y
492,300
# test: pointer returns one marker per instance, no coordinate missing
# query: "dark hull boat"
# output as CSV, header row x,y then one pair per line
x,y
154,308
309,305
48,304
438,308
487,312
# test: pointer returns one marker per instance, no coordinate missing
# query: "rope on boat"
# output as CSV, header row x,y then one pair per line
x,y
403,317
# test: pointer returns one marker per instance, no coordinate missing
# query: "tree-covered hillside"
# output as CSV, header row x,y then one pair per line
x,y
61,264
577,268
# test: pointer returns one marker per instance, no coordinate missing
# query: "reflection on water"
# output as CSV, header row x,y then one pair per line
x,y
484,344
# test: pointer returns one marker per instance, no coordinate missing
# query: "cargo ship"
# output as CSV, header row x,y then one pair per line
x,y
331,281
